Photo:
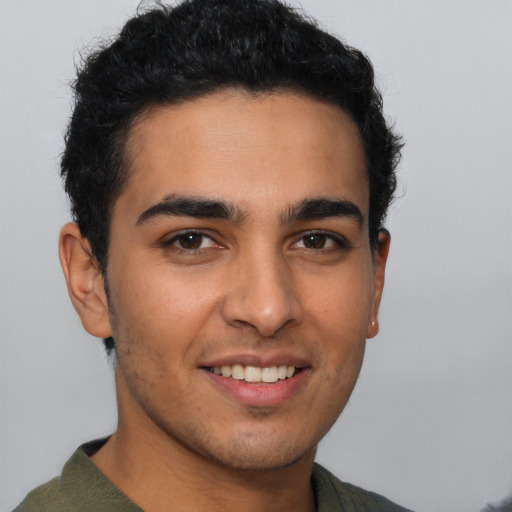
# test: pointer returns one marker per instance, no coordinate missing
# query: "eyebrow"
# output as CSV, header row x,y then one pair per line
x,y
190,206
201,208
321,208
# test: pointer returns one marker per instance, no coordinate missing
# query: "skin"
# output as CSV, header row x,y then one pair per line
x,y
254,289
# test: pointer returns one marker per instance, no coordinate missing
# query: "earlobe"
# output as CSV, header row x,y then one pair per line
x,y
379,270
84,281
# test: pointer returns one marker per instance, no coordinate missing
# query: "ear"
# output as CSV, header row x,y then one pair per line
x,y
85,282
379,268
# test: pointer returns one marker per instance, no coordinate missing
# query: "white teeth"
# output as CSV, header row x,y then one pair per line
x,y
252,374
267,374
238,372
281,372
226,371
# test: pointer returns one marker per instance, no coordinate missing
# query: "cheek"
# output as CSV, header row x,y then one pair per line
x,y
342,303
339,314
159,305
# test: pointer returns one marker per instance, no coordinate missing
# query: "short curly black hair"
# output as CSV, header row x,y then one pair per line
x,y
170,54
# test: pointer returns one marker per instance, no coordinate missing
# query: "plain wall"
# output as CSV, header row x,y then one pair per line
x,y
430,422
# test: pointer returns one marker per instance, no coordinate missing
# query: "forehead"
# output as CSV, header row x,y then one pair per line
x,y
251,149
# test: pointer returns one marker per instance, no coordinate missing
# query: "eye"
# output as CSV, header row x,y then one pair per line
x,y
191,241
314,241
318,241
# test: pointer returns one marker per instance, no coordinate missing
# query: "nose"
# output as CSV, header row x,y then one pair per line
x,y
262,296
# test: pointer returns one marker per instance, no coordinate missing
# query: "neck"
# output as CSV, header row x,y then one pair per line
x,y
155,475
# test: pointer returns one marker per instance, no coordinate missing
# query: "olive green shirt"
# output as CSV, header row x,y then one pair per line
x,y
82,487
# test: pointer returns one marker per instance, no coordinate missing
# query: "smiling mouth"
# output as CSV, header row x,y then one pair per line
x,y
255,374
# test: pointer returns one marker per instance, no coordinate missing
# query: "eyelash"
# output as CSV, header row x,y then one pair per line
x,y
339,241
170,243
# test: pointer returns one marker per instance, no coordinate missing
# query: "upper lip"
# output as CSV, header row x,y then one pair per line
x,y
259,360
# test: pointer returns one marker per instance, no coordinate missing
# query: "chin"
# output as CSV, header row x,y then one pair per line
x,y
257,462
258,451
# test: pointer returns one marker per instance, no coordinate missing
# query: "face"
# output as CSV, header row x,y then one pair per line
x,y
241,282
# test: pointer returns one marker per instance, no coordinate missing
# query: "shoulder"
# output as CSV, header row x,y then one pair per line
x,y
45,498
332,494
80,488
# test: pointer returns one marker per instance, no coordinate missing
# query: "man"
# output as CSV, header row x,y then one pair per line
x,y
229,170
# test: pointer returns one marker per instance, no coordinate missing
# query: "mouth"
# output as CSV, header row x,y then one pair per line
x,y
255,374
259,381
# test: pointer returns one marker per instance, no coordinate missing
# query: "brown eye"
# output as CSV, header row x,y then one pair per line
x,y
190,241
314,241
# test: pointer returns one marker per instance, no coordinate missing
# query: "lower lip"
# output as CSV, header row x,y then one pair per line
x,y
260,395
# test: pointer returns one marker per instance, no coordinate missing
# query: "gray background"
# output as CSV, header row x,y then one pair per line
x,y
430,422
